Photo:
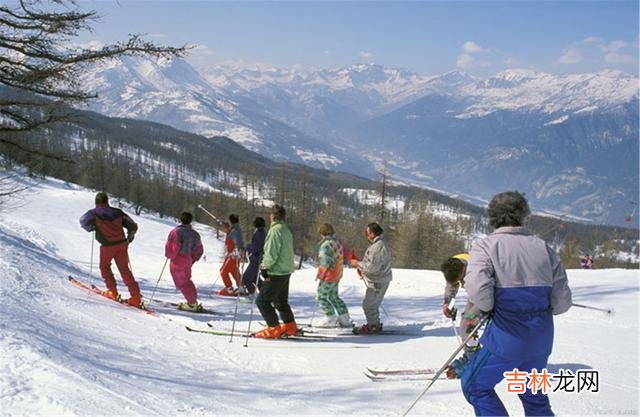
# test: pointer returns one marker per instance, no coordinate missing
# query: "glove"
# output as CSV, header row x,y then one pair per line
x,y
130,237
450,314
457,367
264,273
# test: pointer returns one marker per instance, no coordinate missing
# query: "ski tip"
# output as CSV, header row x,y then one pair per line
x,y
372,377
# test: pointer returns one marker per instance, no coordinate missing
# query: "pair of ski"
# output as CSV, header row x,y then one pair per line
x,y
95,290
175,305
348,331
296,338
395,375
307,328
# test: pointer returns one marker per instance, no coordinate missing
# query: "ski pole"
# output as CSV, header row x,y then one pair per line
x,y
161,272
253,302
455,330
235,312
450,306
208,212
606,310
446,364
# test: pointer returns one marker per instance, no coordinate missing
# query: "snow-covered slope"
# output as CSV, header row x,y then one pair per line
x,y
66,352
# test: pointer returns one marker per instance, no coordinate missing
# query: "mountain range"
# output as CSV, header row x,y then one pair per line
x,y
569,141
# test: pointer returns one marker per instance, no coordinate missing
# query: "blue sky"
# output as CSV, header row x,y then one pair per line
x,y
427,37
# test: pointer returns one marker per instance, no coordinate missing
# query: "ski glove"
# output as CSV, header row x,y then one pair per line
x,y
457,367
130,237
264,273
450,314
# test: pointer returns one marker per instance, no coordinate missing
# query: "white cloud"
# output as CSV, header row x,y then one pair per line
x,y
614,46
365,54
466,61
326,52
613,52
200,49
592,39
570,56
472,56
471,47
614,57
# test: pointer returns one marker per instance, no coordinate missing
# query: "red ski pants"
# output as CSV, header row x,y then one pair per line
x,y
230,267
119,254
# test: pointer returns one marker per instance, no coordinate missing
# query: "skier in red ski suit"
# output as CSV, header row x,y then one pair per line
x,y
235,252
108,223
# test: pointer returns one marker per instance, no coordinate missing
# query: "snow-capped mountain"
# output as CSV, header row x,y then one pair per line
x,y
534,91
173,93
577,160
551,129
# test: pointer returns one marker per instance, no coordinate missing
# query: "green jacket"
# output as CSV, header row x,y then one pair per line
x,y
278,250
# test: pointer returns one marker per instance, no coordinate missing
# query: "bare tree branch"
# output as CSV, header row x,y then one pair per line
x,y
38,60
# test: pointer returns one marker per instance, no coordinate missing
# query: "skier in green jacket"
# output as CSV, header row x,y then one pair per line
x,y
276,268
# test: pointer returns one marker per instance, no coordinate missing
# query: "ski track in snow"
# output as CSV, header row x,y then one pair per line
x,y
64,351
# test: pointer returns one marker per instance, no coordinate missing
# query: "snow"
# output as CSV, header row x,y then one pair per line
x,y
66,352
558,121
327,161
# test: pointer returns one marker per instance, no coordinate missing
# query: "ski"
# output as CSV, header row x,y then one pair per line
x,y
403,378
243,299
337,331
95,290
347,331
308,336
175,305
411,371
297,337
217,332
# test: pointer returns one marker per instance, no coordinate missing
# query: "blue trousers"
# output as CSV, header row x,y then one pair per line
x,y
485,371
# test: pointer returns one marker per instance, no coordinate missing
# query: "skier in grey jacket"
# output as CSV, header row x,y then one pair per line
x,y
520,280
375,271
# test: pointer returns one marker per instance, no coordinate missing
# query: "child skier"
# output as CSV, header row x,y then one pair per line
x,y
328,276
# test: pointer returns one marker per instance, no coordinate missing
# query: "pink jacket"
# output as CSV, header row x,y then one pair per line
x,y
183,246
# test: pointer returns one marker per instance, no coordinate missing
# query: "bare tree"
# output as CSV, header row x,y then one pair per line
x,y
40,67
383,193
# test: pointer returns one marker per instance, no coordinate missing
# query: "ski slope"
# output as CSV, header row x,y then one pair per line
x,y
64,351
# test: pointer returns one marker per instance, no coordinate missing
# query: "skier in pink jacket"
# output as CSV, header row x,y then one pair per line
x,y
183,248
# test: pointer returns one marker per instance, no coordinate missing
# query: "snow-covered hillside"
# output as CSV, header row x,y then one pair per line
x,y
66,352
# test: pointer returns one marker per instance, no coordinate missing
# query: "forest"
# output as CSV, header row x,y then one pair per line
x,y
157,168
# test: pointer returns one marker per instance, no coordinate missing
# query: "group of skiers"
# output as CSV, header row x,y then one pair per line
x,y
271,263
511,276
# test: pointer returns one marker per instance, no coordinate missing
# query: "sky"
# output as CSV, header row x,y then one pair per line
x,y
428,37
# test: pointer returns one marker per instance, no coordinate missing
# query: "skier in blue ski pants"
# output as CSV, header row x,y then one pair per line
x,y
520,280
